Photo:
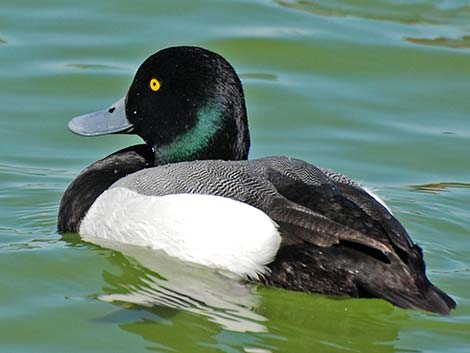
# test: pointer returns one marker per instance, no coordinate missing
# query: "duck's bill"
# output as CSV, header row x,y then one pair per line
x,y
112,120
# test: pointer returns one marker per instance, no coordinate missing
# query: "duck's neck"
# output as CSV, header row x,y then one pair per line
x,y
97,178
213,136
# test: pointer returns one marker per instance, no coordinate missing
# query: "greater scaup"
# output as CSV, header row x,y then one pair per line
x,y
191,191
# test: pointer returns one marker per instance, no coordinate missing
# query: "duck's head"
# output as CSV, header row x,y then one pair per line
x,y
186,103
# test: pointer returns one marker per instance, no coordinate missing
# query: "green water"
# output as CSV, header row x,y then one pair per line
x,y
379,90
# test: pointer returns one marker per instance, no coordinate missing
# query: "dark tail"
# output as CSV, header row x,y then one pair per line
x,y
359,271
406,285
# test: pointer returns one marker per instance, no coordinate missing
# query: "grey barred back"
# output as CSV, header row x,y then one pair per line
x,y
246,181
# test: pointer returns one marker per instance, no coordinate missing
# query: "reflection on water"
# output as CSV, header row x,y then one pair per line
x,y
170,283
161,297
331,324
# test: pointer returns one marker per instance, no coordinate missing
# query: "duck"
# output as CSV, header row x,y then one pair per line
x,y
191,191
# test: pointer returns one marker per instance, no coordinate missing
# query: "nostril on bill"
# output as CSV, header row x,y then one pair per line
x,y
112,109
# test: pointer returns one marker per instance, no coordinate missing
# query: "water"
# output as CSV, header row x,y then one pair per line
x,y
378,90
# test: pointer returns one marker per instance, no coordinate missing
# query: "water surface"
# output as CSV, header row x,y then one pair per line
x,y
378,90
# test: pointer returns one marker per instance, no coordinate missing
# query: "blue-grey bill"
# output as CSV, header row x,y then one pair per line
x,y
108,121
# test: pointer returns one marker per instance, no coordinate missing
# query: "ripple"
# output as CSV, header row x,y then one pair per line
x,y
33,244
99,67
32,171
455,43
448,272
439,187
384,10
259,76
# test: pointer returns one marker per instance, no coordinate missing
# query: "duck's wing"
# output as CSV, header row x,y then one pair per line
x,y
369,252
373,207
332,201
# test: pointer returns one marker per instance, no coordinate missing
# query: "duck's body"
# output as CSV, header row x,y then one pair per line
x,y
279,220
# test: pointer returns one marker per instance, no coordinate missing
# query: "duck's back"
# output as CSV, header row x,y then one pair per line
x,y
259,182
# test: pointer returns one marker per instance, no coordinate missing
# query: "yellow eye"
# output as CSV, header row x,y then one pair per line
x,y
154,84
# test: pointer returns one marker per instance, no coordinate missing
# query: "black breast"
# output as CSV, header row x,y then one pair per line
x,y
97,178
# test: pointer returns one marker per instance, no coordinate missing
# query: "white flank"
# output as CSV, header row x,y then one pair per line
x,y
378,199
209,230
